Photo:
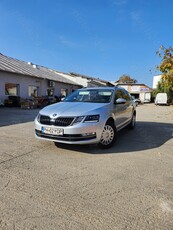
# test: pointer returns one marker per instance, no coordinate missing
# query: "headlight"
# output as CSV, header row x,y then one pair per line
x,y
92,118
38,117
78,120
89,118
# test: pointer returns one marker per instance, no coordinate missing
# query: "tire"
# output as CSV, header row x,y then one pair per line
x,y
108,136
133,122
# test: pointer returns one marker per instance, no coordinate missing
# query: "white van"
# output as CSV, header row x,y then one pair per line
x,y
161,99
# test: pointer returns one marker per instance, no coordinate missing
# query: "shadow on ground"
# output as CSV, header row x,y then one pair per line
x,y
146,135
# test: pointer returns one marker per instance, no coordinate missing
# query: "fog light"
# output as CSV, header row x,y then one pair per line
x,y
88,134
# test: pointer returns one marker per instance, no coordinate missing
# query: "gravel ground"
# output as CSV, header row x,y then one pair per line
x,y
129,186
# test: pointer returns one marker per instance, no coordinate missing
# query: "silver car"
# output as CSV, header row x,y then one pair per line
x,y
87,116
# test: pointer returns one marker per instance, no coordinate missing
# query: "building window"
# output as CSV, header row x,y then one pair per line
x,y
64,92
33,91
50,92
11,89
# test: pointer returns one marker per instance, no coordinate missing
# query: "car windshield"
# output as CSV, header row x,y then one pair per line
x,y
90,95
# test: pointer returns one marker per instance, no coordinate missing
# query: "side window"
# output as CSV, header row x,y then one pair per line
x,y
122,94
118,94
128,97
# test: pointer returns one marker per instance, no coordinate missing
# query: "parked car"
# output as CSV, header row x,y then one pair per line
x,y
12,101
161,99
29,103
89,115
45,100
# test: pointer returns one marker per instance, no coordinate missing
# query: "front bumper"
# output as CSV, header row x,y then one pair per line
x,y
67,137
82,133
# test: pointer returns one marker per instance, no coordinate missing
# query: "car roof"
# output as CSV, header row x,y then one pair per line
x,y
111,88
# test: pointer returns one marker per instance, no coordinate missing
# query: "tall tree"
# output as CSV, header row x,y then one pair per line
x,y
126,79
166,67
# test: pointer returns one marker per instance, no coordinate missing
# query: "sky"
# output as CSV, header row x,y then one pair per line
x,y
99,38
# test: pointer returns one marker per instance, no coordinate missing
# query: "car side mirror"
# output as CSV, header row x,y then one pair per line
x,y
120,101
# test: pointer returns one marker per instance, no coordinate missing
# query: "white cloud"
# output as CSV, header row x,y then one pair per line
x,y
135,16
63,40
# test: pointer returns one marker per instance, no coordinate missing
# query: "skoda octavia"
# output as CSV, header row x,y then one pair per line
x,y
87,116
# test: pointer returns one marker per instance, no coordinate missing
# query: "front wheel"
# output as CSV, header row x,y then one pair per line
x,y
108,136
133,122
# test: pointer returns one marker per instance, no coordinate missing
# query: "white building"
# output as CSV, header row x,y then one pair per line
x,y
24,79
156,80
87,81
141,91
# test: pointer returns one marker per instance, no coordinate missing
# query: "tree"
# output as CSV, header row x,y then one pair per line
x,y
166,67
126,79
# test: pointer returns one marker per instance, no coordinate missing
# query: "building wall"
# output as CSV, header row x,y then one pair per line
x,y
57,88
23,82
26,81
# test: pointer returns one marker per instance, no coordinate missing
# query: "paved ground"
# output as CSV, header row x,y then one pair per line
x,y
129,186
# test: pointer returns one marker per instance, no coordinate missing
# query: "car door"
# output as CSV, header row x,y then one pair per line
x,y
129,105
121,108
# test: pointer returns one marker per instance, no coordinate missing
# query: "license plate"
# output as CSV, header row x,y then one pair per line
x,y
53,131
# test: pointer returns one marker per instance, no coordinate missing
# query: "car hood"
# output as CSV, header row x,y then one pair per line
x,y
72,109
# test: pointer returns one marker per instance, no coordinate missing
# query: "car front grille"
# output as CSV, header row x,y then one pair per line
x,y
60,121
45,120
64,121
